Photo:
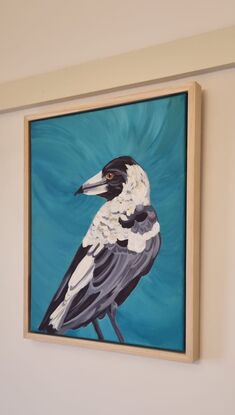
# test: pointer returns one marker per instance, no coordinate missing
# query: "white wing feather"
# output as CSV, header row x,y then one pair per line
x,y
82,275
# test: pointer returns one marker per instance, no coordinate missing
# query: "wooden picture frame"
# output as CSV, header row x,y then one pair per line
x,y
190,352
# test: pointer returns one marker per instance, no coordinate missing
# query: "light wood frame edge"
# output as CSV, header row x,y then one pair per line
x,y
26,227
192,225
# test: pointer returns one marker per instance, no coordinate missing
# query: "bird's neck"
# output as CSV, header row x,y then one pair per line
x,y
106,227
127,202
136,190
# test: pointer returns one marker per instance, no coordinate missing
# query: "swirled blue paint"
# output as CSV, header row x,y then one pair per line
x,y
65,152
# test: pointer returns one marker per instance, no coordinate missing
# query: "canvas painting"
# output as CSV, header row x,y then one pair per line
x,y
108,229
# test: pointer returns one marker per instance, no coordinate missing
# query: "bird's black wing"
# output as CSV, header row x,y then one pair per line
x,y
117,270
114,284
147,261
61,292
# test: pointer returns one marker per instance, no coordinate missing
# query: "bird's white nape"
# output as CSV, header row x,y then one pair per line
x,y
137,186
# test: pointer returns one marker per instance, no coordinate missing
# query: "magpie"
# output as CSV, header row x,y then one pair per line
x,y
119,248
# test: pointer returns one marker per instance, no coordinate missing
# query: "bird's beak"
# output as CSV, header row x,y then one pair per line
x,y
96,185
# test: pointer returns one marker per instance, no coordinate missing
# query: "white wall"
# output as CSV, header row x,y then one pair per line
x,y
39,378
43,35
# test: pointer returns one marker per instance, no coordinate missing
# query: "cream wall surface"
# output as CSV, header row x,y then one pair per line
x,y
38,36
40,378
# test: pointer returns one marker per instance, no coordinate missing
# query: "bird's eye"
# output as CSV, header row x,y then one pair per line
x,y
109,176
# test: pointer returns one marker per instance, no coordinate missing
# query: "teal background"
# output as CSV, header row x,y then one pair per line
x,y
65,152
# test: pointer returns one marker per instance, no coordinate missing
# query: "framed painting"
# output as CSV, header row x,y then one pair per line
x,y
112,224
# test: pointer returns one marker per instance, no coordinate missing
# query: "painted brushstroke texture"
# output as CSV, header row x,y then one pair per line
x,y
66,151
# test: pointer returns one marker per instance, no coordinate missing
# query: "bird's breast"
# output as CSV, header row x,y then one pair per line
x,y
107,228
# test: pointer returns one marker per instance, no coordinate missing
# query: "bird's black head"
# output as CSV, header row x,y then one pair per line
x,y
108,183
